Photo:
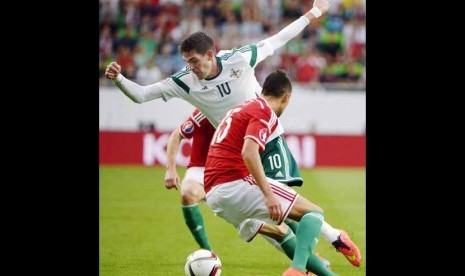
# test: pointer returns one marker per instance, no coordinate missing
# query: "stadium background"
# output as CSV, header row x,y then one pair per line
x,y
325,122
326,62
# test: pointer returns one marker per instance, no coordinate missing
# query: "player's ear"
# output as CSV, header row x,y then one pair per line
x,y
209,53
286,98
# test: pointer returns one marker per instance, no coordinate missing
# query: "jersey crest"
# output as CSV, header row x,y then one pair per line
x,y
235,73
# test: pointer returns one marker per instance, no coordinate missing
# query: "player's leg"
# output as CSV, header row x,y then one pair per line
x,y
342,242
250,200
191,194
339,239
282,238
308,231
279,164
292,224
239,200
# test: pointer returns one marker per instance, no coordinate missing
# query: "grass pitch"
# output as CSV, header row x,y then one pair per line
x,y
142,231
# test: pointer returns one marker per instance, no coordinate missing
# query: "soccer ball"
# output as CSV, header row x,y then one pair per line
x,y
202,262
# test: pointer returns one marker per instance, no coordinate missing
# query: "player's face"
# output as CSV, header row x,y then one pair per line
x,y
201,65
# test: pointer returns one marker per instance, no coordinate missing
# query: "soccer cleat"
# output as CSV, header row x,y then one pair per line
x,y
348,248
293,272
325,261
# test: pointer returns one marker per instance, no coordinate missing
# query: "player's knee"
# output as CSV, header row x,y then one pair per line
x,y
318,208
282,230
310,206
191,193
249,228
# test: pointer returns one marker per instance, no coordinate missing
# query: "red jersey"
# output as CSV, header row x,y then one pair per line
x,y
199,128
252,119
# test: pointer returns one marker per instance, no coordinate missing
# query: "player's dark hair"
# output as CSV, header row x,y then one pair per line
x,y
277,84
198,41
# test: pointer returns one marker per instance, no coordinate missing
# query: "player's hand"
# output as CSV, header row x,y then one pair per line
x,y
323,5
171,180
274,207
112,71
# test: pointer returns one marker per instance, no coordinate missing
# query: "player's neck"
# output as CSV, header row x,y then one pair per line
x,y
215,69
272,102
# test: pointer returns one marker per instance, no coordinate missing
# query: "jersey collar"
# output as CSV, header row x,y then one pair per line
x,y
218,61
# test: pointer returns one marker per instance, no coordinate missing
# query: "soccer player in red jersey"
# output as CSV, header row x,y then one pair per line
x,y
238,190
201,131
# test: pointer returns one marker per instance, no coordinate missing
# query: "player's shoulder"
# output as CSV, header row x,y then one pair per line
x,y
182,78
259,109
257,105
246,54
198,118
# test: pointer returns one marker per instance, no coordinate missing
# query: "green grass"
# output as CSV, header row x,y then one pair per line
x,y
142,231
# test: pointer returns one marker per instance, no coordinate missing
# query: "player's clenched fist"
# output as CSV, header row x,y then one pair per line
x,y
171,179
113,69
323,5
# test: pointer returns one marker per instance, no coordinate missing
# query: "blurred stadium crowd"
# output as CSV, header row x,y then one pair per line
x,y
143,35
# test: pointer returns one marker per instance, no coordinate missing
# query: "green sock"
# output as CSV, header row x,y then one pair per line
x,y
314,264
288,243
306,239
194,222
293,224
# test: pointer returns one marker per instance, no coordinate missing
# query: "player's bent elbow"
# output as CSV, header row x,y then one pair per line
x,y
133,98
137,100
247,155
136,97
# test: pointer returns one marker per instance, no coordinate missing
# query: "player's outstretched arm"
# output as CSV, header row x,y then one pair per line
x,y
320,7
137,93
171,175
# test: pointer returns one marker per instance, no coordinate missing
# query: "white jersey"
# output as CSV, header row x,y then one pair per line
x,y
235,83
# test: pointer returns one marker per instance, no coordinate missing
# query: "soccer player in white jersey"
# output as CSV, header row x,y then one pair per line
x,y
214,83
237,188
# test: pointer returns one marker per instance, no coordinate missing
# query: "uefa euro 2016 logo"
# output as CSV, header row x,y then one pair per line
x,y
188,127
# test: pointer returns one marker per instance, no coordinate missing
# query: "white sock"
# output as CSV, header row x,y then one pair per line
x,y
329,233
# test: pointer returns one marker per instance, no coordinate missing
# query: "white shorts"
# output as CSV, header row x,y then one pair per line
x,y
195,173
239,200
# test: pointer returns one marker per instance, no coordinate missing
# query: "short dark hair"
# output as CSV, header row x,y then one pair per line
x,y
277,84
198,41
